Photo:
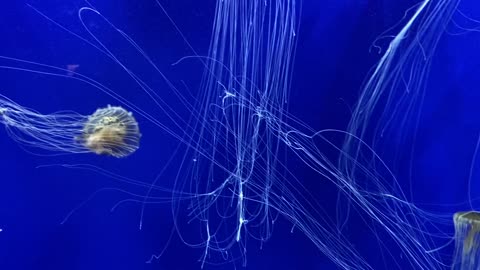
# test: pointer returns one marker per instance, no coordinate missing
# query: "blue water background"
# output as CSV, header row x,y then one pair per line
x,y
333,59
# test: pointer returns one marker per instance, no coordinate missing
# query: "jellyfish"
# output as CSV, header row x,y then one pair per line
x,y
111,131
467,240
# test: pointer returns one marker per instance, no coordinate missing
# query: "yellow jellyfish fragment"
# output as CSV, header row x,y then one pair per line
x,y
467,240
109,131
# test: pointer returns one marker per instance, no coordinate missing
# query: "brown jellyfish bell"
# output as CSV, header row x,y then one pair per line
x,y
111,131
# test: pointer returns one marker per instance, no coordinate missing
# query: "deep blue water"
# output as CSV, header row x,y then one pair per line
x,y
332,61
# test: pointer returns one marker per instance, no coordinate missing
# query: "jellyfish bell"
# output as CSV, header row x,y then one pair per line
x,y
111,131
467,240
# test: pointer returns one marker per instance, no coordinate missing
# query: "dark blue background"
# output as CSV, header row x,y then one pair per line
x,y
334,59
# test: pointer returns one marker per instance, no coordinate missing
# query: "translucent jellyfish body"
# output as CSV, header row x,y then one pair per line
x,y
467,240
111,131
